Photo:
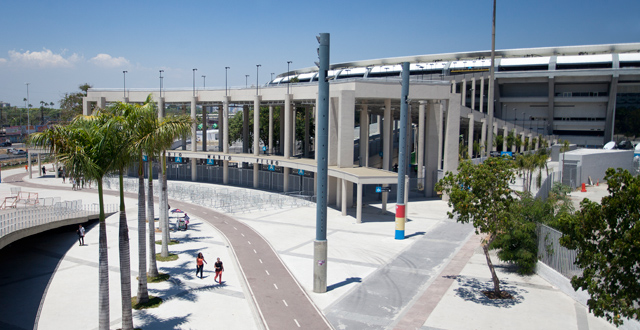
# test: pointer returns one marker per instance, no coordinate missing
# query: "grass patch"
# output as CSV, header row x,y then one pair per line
x,y
160,278
171,257
152,303
171,242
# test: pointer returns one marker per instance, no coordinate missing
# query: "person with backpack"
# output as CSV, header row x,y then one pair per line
x,y
80,232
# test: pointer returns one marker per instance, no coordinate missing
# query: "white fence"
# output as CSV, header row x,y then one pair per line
x,y
21,218
555,255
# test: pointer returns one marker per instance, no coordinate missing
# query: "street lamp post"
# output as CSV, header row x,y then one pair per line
x,y
124,84
288,79
161,71
204,82
194,82
28,106
258,75
226,90
246,81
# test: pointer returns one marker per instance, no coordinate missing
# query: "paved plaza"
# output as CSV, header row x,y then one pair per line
x,y
431,280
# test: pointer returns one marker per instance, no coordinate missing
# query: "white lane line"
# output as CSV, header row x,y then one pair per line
x,y
242,234
249,242
260,260
254,251
204,212
298,324
285,302
275,286
267,272
235,228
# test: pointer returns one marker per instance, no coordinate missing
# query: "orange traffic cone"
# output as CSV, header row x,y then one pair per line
x,y
597,182
584,188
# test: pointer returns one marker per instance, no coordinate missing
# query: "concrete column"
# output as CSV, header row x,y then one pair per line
x,y
421,148
452,134
338,188
473,93
464,93
515,135
222,123
432,148
282,139
364,135
29,165
102,103
288,135
481,94
551,106
39,164
256,175
294,144
307,119
270,129
194,126
225,127
205,123
334,130
256,125
245,129
483,138
495,133
161,108
470,139
439,113
345,194
55,169
285,179
194,170
359,203
346,123
505,133
86,106
530,136
522,137
611,110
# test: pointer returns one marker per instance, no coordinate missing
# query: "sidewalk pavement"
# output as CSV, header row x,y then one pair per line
x,y
360,255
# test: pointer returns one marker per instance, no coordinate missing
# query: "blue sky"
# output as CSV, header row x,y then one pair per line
x,y
58,45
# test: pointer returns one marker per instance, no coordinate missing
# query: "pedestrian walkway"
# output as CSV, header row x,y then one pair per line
x,y
430,280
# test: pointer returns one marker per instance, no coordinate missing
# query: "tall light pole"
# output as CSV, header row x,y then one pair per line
x,y
28,106
257,75
226,91
491,82
204,82
124,84
194,82
288,79
246,81
161,71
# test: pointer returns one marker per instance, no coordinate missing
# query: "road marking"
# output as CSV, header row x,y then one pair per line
x,y
260,260
267,272
285,302
235,228
275,286
242,234
204,212
254,251
298,324
249,242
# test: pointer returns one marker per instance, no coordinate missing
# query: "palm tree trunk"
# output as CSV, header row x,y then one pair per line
x,y
103,267
125,262
153,267
143,293
164,208
494,276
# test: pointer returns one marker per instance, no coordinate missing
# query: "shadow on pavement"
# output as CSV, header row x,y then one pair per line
x,y
470,289
27,268
345,282
151,321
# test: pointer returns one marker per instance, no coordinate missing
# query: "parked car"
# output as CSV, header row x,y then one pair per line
x,y
5,144
19,152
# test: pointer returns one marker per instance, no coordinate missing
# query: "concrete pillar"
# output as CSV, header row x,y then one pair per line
x,y
505,133
470,138
194,170
29,165
102,103
256,175
288,135
294,115
338,188
495,133
551,106
271,130
439,113
364,136
194,126
515,135
346,123
285,179
473,93
55,169
161,108
481,94
245,129
452,134
611,110
332,184
421,148
225,138
464,93
483,138
522,145
222,123
256,126
345,194
359,203
307,119
205,123
432,148
86,106
39,164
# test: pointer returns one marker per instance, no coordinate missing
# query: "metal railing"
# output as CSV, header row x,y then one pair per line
x,y
553,254
23,218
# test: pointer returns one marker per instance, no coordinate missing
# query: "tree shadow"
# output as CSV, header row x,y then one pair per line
x,y
470,289
347,281
151,321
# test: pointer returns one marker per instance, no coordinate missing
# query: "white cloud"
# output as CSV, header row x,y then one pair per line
x,y
105,60
45,58
3,60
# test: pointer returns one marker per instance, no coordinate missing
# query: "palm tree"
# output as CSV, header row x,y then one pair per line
x,y
87,147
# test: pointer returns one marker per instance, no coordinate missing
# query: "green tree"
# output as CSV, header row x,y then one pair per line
x,y
529,163
73,101
481,194
606,239
87,147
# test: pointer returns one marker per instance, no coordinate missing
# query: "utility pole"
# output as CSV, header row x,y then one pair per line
x,y
402,153
491,82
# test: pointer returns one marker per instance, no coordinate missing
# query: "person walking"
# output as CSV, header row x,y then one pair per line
x,y
200,264
219,269
44,170
80,232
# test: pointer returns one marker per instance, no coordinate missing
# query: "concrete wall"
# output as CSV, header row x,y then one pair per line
x,y
595,162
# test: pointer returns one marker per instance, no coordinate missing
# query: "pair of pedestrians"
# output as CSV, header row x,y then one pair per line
x,y
219,268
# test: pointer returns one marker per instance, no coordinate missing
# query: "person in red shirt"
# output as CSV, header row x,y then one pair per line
x,y
219,269
200,264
